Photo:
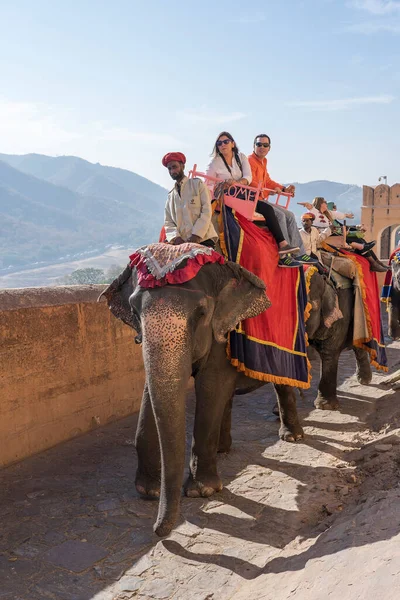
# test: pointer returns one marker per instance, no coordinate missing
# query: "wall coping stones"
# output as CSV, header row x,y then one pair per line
x,y
40,297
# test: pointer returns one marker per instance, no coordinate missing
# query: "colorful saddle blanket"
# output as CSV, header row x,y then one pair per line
x,y
272,346
367,328
386,295
161,264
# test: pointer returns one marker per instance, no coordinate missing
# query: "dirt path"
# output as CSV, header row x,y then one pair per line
x,y
307,521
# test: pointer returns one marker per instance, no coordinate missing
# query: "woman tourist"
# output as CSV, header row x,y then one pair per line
x,y
232,166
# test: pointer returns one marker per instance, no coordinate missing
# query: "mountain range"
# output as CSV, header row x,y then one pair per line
x,y
56,208
61,207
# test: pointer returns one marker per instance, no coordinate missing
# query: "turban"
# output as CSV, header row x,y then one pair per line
x,y
330,205
173,156
308,215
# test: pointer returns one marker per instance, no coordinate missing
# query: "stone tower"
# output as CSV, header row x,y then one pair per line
x,y
380,213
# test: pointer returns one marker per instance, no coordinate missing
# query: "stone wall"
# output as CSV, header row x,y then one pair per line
x,y
66,366
380,210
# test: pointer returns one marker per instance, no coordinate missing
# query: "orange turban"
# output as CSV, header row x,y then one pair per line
x,y
173,156
308,215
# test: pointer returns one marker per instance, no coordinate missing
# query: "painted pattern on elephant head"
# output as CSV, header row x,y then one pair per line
x,y
220,296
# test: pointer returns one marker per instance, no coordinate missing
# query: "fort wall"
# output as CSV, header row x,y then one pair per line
x,y
66,367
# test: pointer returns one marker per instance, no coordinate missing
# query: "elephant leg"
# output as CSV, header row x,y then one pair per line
x,y
148,473
290,429
363,372
327,398
394,317
215,385
225,437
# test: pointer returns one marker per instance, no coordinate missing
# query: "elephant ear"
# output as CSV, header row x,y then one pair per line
x,y
117,295
242,296
330,306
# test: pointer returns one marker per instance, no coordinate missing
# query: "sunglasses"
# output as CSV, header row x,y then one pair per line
x,y
220,142
259,144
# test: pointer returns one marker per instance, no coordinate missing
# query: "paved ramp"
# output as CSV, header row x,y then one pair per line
x,y
287,524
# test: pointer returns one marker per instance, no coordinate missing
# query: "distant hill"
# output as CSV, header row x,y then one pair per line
x,y
90,179
54,209
347,197
43,221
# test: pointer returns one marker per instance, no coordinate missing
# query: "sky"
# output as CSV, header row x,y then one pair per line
x,y
124,82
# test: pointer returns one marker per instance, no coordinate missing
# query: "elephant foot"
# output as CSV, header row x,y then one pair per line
x,y
202,487
364,379
364,376
146,486
324,404
275,410
291,434
163,529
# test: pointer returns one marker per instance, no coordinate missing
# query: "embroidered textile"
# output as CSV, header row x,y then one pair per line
x,y
161,264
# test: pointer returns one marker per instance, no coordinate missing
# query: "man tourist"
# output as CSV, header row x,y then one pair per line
x,y
286,219
312,238
188,208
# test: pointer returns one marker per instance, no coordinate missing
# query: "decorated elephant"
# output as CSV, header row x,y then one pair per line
x,y
329,328
394,300
330,335
183,329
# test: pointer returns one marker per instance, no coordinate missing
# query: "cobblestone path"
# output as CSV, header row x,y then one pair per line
x,y
73,527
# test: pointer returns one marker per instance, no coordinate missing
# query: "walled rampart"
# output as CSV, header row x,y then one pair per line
x,y
66,366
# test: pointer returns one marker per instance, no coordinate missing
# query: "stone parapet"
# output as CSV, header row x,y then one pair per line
x,y
380,213
66,367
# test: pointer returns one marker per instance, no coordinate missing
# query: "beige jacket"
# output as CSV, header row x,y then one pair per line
x,y
313,239
189,213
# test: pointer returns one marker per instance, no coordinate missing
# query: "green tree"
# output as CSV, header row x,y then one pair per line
x,y
85,277
112,272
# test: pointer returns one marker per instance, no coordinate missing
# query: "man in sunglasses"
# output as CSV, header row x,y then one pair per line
x,y
188,208
286,219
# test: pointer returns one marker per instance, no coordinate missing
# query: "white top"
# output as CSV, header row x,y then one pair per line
x,y
190,212
217,169
313,239
321,221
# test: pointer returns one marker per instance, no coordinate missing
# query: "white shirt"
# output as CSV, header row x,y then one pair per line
x,y
321,220
313,239
190,212
217,169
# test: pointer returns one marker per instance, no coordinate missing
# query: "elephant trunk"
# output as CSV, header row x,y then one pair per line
x,y
166,354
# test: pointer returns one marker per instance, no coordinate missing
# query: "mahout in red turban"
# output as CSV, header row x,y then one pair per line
x,y
170,156
308,215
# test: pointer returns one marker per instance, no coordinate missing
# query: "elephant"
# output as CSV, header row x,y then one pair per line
x,y
183,330
331,340
394,302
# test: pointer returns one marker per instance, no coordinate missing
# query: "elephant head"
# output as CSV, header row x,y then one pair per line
x,y
238,295
178,325
324,307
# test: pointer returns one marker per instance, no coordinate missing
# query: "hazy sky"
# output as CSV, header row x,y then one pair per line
x,y
123,82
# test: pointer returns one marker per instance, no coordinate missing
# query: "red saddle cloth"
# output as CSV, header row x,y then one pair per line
x,y
367,321
161,264
272,346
